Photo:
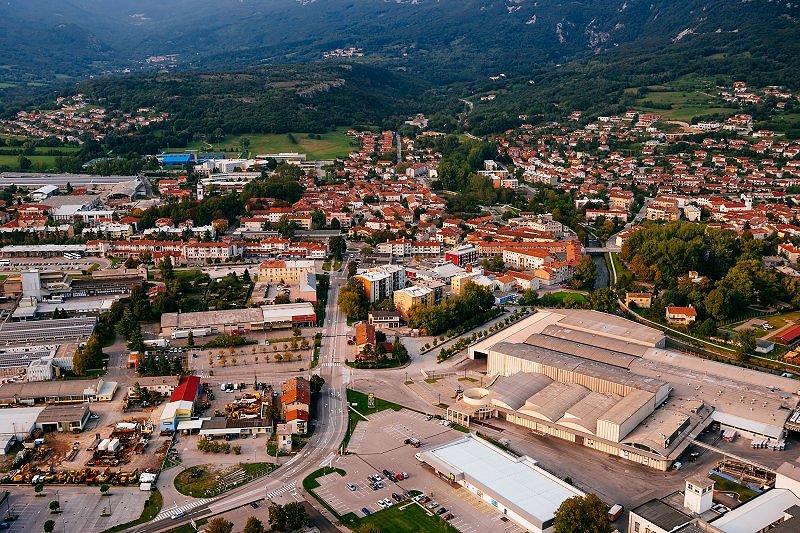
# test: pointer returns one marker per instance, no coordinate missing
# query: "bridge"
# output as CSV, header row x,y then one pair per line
x,y
602,250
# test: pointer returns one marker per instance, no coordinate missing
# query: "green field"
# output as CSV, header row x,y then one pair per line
x,y
12,161
407,518
329,146
688,97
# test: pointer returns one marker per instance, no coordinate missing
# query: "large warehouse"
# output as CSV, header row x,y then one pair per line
x,y
515,486
298,314
608,383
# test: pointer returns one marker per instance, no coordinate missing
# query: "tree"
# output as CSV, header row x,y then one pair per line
x,y
277,517
219,525
399,351
745,342
316,383
253,525
54,505
352,301
352,268
23,162
136,340
582,514
166,270
296,515
38,488
585,274
104,489
49,526
190,339
707,328
337,246
604,300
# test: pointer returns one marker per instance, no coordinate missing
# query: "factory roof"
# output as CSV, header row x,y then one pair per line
x,y
515,482
758,513
62,413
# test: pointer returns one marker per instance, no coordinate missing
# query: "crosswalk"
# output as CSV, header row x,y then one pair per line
x,y
183,508
283,490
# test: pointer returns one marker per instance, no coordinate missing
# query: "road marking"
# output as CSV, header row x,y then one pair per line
x,y
283,490
183,508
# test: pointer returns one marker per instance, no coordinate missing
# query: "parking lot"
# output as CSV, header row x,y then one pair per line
x,y
378,445
81,509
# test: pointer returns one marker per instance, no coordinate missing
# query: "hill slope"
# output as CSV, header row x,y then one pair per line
x,y
442,40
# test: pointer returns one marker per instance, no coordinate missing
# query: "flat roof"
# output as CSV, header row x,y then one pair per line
x,y
758,513
18,420
662,515
41,389
62,413
515,482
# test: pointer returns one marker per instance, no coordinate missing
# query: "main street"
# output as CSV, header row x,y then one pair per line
x,y
323,446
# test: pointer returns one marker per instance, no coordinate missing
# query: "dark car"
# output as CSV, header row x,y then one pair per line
x,y
425,500
449,516
441,510
365,511
387,473
397,497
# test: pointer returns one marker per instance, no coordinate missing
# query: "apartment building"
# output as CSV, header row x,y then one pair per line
x,y
285,271
405,299
380,282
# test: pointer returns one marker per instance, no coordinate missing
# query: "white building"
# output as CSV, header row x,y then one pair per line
x,y
515,486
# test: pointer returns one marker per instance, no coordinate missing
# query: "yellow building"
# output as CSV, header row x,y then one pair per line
x,y
286,271
404,299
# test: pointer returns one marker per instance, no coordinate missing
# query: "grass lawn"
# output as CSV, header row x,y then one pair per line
x,y
559,296
211,480
151,509
725,485
331,145
12,161
407,518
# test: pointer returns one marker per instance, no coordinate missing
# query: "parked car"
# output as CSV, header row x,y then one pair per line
x,y
441,510
397,497
365,511
351,487
449,516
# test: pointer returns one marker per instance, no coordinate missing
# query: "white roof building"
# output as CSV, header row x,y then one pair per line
x,y
515,486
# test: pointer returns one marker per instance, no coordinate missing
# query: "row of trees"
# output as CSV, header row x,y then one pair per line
x,y
289,517
457,311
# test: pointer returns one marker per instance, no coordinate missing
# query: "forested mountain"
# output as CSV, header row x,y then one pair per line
x,y
443,40
581,54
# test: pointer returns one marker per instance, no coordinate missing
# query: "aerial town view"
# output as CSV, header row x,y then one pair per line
x,y
400,267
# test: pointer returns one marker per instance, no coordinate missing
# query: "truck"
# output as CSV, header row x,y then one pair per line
x,y
615,512
156,343
414,442
180,334
202,332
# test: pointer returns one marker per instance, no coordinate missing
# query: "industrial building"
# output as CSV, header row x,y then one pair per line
x,y
515,486
181,404
41,332
69,391
607,383
299,314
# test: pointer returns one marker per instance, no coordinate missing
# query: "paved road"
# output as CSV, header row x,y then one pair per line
x,y
323,445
